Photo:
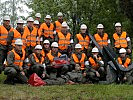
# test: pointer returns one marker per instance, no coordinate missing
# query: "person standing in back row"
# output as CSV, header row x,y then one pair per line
x,y
47,29
30,33
121,39
4,30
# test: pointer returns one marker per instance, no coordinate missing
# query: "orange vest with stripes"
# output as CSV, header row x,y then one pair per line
x,y
93,63
120,41
64,41
127,62
18,61
58,26
48,31
81,61
37,60
83,41
51,57
102,41
4,35
30,36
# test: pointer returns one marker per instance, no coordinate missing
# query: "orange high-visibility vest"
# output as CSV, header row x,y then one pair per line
x,y
102,41
30,36
48,31
18,61
4,35
37,60
93,63
127,62
64,41
83,41
120,42
58,26
51,57
81,61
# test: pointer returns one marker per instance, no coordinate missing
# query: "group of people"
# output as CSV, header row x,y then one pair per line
x,y
33,48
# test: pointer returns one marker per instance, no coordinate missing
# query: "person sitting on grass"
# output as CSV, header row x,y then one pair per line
x,y
14,69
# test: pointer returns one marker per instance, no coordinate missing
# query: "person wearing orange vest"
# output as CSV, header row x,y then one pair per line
x,y
102,38
78,58
58,23
125,62
4,30
36,61
83,39
47,29
49,61
38,40
30,33
14,68
95,70
63,38
121,39
16,33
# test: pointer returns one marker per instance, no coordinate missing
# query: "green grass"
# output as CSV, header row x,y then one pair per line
x,y
65,92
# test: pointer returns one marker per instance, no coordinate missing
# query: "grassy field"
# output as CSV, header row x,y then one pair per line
x,y
65,92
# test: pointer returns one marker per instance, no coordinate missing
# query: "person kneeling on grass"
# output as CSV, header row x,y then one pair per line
x,y
95,70
124,63
14,68
36,61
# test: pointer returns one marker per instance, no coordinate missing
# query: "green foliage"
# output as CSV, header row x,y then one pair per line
x,y
90,12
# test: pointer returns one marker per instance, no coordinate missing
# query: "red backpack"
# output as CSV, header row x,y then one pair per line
x,y
35,80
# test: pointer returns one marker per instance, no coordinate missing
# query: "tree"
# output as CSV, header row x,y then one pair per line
x,y
77,12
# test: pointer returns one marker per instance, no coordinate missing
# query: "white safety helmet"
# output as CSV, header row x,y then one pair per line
x,y
54,44
59,14
18,42
78,46
30,19
122,50
83,26
36,22
118,24
48,17
46,41
6,18
100,26
20,21
38,15
95,49
64,24
39,47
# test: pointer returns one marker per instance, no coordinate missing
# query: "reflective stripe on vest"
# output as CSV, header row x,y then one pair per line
x,y
37,60
120,42
63,41
127,62
48,31
81,61
18,61
83,41
4,35
102,41
51,57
